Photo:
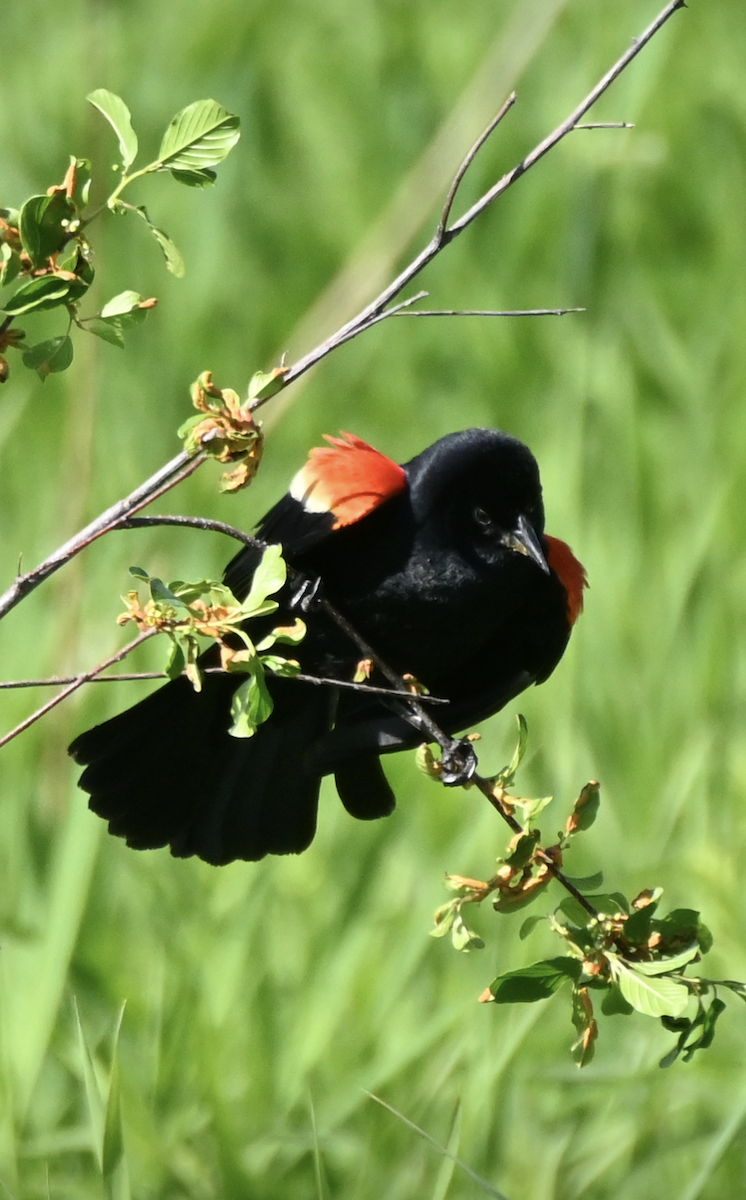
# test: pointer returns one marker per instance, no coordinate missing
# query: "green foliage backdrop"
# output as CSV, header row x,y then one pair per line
x,y
262,1000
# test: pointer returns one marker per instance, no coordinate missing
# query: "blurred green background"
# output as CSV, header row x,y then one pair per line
x,y
263,1000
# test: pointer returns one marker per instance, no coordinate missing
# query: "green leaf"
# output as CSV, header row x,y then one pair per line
x,y
614,1004
122,312
463,938
663,965
288,635
586,809
251,705
38,295
41,228
10,265
537,982
176,660
107,333
199,136
269,577
655,997
708,1028
50,357
444,918
174,261
524,849
196,179
735,986
669,1059
639,925
588,883
82,182
125,304
531,808
161,593
528,926
683,924
264,384
171,253
118,116
286,667
508,773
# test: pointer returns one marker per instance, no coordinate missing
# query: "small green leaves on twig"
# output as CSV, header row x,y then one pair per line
x,y
636,959
225,430
44,248
187,611
122,312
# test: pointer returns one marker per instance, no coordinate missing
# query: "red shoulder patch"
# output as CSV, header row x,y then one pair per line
x,y
348,479
571,574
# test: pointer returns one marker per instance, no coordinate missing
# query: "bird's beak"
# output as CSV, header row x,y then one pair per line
x,y
524,539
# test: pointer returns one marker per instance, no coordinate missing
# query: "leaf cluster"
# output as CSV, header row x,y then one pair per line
x,y
636,959
187,611
225,428
46,257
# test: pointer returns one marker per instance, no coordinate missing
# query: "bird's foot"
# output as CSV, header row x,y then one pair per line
x,y
305,593
458,764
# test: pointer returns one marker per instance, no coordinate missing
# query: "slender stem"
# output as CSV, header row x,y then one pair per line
x,y
486,312
570,122
77,682
423,720
606,125
441,239
137,676
469,159
123,183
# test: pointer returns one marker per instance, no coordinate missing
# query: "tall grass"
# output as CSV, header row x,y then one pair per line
x,y
265,1001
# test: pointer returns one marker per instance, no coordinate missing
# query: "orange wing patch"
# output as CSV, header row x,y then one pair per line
x,y
348,478
571,574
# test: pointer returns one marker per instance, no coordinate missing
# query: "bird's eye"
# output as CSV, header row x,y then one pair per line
x,y
482,518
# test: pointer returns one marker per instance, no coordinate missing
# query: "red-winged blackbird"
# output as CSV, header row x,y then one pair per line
x,y
441,564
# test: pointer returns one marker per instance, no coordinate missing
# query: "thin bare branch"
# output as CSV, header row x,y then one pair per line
x,y
487,312
364,319
421,719
76,683
137,676
570,122
606,125
468,160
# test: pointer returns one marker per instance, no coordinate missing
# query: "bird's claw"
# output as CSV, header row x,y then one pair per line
x,y
305,593
458,764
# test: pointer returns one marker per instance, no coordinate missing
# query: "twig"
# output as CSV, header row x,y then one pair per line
x,y
487,312
173,473
468,160
372,312
423,722
135,677
78,682
606,125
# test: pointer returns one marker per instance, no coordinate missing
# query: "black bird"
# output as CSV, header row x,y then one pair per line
x,y
441,564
